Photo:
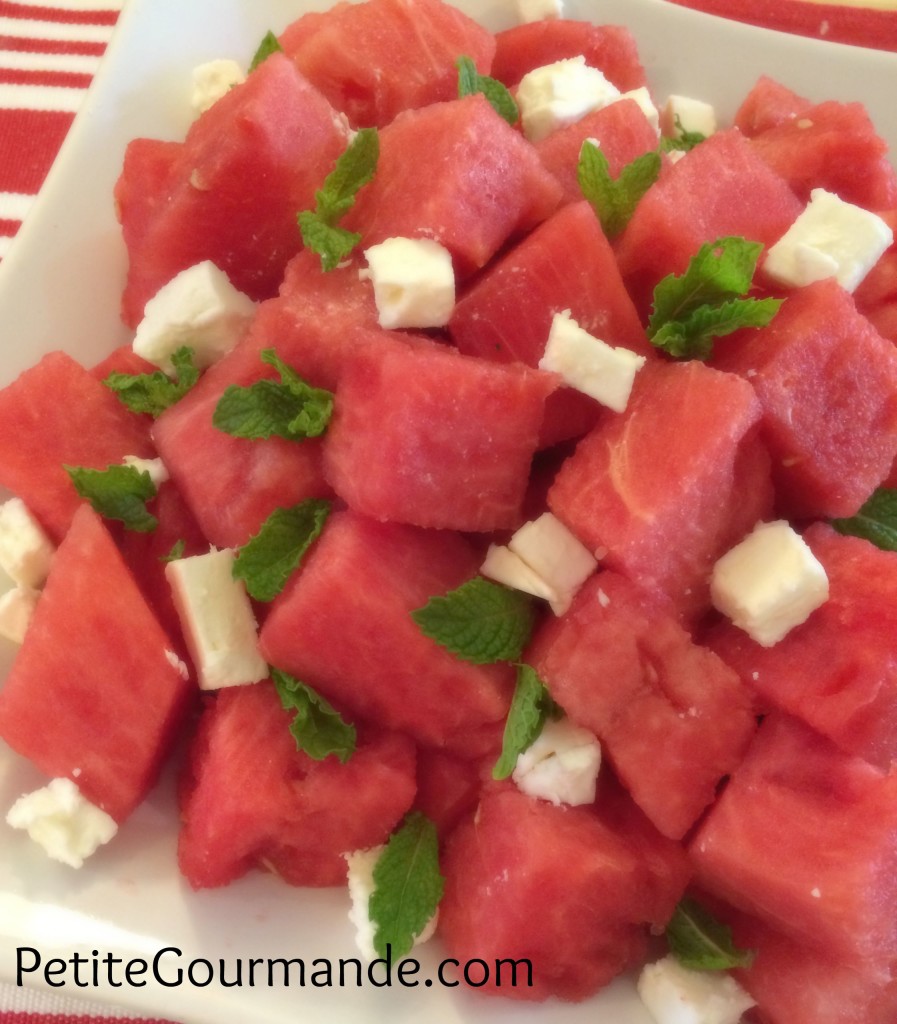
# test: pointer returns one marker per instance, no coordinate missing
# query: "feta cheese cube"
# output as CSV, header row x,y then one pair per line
x,y
642,97
199,308
16,608
674,994
217,619
25,550
769,583
683,114
588,364
556,556
503,566
539,10
559,94
361,865
830,238
213,80
414,282
158,472
58,818
561,765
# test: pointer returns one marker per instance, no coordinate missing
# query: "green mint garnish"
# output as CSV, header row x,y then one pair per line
x,y
177,551
119,492
291,409
614,199
268,559
266,47
153,393
408,886
876,521
354,169
481,622
700,942
470,81
317,727
531,706
704,303
682,141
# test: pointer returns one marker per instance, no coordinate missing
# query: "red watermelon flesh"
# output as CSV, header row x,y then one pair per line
x,y
251,799
448,787
837,671
667,486
622,131
344,626
805,838
610,48
122,360
93,694
423,435
722,187
560,886
832,146
768,105
69,418
827,382
233,484
248,164
375,59
477,182
673,718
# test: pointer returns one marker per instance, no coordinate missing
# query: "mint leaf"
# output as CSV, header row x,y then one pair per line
x,y
153,393
177,551
119,492
266,47
700,942
531,706
682,141
318,728
268,559
876,521
481,622
470,81
291,409
408,886
614,199
705,302
355,167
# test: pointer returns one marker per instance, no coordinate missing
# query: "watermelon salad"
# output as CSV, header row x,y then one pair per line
x,y
496,513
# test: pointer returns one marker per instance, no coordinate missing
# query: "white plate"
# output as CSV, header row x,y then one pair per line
x,y
59,287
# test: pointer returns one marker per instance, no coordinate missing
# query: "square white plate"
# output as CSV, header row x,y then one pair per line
x,y
59,288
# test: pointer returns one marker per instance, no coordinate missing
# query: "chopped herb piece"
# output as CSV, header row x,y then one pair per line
x,y
119,492
153,393
470,81
614,199
177,551
531,707
700,942
683,141
876,521
318,728
266,47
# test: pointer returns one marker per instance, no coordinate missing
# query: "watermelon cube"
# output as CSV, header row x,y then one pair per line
x,y
373,60
571,889
768,105
448,787
274,129
805,838
95,693
423,435
477,182
672,717
827,382
343,625
251,799
685,423
69,418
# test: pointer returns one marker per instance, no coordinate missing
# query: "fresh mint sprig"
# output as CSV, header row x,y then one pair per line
x,y
876,521
317,727
470,82
531,707
682,141
118,492
702,943
614,199
153,393
269,44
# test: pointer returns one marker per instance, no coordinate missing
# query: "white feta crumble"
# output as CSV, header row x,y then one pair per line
x,y
830,238
217,619
588,364
674,994
556,555
683,114
58,818
504,566
816,893
414,282
603,599
561,765
16,608
25,549
199,308
769,583
177,665
213,80
559,94
361,864
539,10
158,471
